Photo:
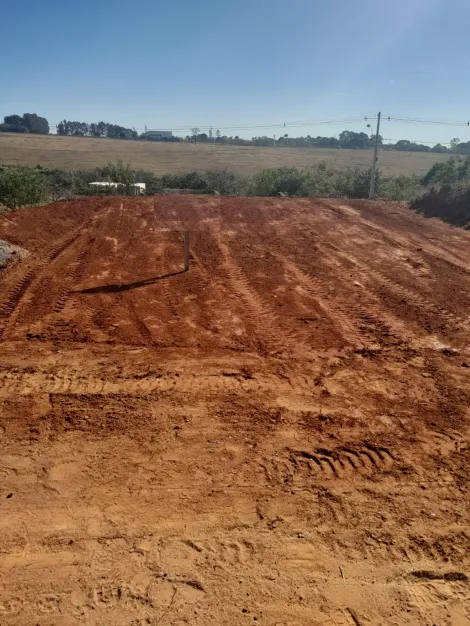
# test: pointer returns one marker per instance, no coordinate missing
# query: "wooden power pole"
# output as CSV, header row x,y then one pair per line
x,y
374,164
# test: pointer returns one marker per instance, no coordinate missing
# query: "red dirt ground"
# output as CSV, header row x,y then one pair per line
x,y
278,436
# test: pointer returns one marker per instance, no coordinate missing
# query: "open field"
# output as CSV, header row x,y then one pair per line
x,y
279,436
169,158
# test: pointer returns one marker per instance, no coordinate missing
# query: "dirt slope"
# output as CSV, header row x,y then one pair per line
x,y
278,436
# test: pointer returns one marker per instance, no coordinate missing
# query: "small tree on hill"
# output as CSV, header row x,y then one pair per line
x,y
21,186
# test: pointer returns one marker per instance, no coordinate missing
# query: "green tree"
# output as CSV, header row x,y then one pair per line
x,y
352,140
28,123
36,124
454,144
439,148
13,124
21,186
448,173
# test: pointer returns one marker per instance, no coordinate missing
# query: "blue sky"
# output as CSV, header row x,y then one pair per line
x,y
176,64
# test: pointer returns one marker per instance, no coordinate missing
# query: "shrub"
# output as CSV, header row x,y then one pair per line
x,y
450,203
21,186
401,188
453,170
278,181
117,173
190,180
224,182
354,182
321,180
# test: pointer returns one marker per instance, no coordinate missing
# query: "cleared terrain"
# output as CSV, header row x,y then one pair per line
x,y
169,158
278,436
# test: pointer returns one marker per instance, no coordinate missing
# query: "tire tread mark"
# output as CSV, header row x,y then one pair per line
x,y
264,320
366,307
9,308
411,296
341,461
334,308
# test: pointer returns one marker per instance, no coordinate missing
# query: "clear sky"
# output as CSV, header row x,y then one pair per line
x,y
175,64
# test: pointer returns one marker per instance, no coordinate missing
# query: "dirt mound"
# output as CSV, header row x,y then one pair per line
x,y
279,435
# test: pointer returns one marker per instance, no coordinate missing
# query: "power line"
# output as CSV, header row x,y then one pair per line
x,y
411,120
267,126
343,120
322,122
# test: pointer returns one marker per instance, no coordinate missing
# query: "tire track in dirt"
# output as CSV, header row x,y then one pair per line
x,y
262,318
419,237
432,309
366,328
367,307
123,228
339,463
19,297
335,309
74,308
80,383
232,326
141,326
393,325
360,308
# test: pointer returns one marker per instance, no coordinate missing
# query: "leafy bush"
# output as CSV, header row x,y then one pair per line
x,y
224,182
278,181
72,183
190,180
453,170
354,182
450,203
21,186
321,180
400,188
66,184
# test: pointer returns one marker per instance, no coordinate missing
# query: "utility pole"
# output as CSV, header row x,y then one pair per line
x,y
374,164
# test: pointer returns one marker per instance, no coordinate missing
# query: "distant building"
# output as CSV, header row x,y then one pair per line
x,y
158,135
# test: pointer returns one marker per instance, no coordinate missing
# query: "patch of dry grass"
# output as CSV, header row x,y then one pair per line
x,y
168,158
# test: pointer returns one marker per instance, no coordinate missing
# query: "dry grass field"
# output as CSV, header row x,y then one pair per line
x,y
168,158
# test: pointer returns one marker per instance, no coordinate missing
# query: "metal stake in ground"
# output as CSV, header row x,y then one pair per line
x,y
374,163
186,250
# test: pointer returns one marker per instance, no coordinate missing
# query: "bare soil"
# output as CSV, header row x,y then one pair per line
x,y
278,436
169,158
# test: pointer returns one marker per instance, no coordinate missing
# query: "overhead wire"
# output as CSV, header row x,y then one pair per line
x,y
319,122
263,126
411,120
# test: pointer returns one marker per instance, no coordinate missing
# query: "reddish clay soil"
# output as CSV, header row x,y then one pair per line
x,y
278,436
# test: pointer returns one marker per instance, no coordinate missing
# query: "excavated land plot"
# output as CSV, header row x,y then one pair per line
x,y
278,436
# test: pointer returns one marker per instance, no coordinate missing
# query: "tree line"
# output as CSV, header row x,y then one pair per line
x,y
95,129
348,139
26,123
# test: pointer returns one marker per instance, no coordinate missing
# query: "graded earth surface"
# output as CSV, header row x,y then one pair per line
x,y
278,436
